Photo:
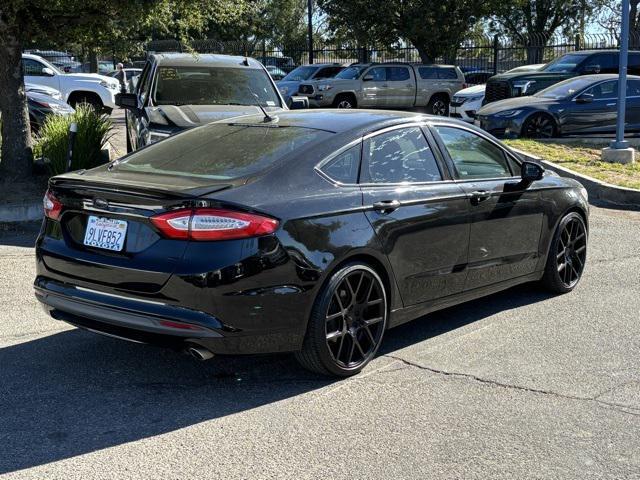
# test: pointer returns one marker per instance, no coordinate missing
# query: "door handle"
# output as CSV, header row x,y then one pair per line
x,y
386,206
479,196
611,104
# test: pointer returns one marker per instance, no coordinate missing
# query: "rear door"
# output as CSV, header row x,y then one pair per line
x,y
506,220
418,214
598,115
401,85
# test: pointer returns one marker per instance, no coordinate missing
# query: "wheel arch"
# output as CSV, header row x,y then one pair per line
x,y
348,93
83,93
546,113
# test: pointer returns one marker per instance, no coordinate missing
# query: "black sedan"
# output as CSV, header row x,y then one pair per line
x,y
580,105
307,232
41,106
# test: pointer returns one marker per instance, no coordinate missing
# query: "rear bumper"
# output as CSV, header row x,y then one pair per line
x,y
152,322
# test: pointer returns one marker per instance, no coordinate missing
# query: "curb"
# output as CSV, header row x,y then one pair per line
x,y
597,189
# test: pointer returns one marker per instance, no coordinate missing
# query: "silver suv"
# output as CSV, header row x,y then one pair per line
x,y
387,85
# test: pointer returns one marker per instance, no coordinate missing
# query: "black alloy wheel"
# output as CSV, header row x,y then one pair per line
x,y
539,126
568,255
347,323
344,101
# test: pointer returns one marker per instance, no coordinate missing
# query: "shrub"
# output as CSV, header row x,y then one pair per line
x,y
94,130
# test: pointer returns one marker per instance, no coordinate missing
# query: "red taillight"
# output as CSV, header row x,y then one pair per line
x,y
52,206
213,224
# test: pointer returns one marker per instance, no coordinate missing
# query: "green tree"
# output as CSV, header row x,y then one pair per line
x,y
434,28
95,24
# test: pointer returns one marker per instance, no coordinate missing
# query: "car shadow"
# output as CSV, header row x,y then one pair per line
x,y
75,392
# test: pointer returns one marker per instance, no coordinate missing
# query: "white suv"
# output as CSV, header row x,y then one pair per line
x,y
97,90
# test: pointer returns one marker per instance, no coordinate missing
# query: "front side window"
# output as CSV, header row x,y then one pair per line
x,y
214,86
399,156
473,155
343,167
602,62
566,63
352,73
604,90
32,68
377,74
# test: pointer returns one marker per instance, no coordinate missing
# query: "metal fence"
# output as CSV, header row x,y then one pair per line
x,y
493,54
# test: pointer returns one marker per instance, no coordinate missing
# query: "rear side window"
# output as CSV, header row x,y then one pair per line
x,y
428,73
222,151
604,91
473,155
327,72
399,156
447,73
397,74
343,167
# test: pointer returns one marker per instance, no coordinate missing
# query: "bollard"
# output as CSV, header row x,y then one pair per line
x,y
73,129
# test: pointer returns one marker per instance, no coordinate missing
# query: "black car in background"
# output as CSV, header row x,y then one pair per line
x,y
508,85
312,233
176,91
586,104
40,106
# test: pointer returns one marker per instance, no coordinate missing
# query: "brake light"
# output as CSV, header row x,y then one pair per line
x,y
206,224
52,206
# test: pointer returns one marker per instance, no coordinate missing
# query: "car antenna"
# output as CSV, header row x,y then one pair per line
x,y
267,117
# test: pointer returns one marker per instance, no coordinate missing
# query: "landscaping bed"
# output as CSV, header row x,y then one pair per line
x,y
582,158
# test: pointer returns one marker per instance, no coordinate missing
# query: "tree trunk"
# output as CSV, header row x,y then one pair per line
x,y
16,158
424,56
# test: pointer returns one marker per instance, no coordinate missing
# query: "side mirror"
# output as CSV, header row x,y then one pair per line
x,y
591,69
367,78
530,172
127,100
584,98
46,71
298,103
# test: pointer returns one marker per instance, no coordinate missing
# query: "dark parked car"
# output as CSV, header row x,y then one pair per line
x,y
178,91
312,233
290,84
477,78
570,65
41,106
586,104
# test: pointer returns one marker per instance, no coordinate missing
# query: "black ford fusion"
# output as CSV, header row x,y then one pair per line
x,y
310,232
580,105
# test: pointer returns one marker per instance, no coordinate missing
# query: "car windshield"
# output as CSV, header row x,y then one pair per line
x,y
221,151
564,89
566,63
214,86
351,73
300,74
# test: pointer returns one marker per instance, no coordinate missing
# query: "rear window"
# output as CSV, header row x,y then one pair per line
x,y
427,73
221,151
447,73
214,86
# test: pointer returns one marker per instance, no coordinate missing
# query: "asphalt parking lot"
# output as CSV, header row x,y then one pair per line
x,y
517,385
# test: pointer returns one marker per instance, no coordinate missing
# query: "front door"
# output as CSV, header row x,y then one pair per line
x,y
506,217
375,90
420,219
401,86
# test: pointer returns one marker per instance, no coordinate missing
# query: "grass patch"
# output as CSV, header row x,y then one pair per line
x,y
582,158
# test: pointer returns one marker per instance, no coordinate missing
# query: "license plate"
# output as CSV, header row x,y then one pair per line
x,y
106,233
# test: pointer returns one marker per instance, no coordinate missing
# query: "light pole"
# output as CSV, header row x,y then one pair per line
x,y
619,150
310,28
622,78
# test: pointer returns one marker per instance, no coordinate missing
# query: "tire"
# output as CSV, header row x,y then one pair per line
x,y
539,125
345,100
438,105
86,98
567,255
347,322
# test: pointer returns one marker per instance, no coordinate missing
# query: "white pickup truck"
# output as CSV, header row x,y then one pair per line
x,y
91,88
387,85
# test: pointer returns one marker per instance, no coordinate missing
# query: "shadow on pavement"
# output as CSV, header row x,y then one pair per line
x,y
75,392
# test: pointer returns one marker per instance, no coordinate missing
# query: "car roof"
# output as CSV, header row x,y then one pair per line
x,y
589,52
208,59
342,120
596,77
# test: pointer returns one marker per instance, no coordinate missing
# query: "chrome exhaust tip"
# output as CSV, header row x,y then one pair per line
x,y
200,353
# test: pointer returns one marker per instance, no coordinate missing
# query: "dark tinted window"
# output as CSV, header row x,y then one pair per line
x,y
633,88
398,156
144,82
213,86
344,167
327,72
378,74
447,73
397,74
428,73
607,62
300,74
472,155
32,67
604,90
221,151
634,63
